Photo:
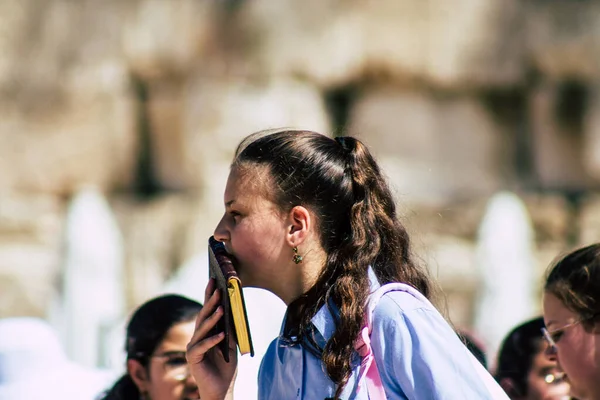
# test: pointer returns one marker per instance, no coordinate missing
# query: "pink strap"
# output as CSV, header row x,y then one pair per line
x,y
368,367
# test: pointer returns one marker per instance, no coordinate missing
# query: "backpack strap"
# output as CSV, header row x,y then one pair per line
x,y
368,367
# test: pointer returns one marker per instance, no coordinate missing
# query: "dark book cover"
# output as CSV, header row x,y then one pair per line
x,y
234,321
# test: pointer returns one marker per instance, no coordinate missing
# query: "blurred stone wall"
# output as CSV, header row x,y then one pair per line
x,y
147,99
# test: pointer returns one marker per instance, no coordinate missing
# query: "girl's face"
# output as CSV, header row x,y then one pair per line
x,y
253,229
167,376
577,351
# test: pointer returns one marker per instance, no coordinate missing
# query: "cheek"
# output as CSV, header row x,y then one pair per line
x,y
162,388
536,387
261,239
575,359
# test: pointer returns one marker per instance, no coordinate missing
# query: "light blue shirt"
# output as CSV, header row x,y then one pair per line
x,y
418,355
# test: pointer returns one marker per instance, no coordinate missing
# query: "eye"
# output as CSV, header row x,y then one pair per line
x,y
556,336
176,361
234,215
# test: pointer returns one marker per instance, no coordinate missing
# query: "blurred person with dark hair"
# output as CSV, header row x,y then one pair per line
x,y
474,345
572,319
524,371
157,335
33,365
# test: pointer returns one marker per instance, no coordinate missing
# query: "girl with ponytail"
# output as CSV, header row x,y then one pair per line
x,y
312,220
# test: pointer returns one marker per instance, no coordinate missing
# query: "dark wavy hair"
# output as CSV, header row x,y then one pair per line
x,y
517,352
340,181
575,281
146,330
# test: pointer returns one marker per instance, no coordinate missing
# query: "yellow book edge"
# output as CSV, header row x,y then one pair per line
x,y
239,316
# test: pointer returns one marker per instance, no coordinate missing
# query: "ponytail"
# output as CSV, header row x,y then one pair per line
x,y
377,240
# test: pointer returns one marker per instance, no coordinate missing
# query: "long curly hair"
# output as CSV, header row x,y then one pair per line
x,y
339,180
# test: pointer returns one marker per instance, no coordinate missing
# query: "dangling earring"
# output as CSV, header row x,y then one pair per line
x,y
297,257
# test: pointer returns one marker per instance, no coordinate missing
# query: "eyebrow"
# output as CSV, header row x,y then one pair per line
x,y
173,353
229,203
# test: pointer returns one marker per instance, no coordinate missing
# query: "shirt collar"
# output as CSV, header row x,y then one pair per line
x,y
325,319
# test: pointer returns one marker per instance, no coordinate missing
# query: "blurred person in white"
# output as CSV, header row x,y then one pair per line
x,y
523,369
34,365
157,335
572,318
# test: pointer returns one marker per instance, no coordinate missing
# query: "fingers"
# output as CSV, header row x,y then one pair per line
x,y
205,321
209,307
210,288
196,349
212,296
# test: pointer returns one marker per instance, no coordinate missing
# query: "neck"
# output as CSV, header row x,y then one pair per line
x,y
301,277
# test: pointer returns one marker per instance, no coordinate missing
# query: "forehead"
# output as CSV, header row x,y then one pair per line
x,y
247,182
178,336
555,313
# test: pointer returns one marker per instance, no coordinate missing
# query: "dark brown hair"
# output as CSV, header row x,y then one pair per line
x,y
516,354
342,184
575,281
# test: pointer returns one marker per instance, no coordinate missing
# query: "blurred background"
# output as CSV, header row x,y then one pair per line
x,y
119,118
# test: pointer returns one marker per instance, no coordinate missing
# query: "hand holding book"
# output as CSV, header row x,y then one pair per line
x,y
206,361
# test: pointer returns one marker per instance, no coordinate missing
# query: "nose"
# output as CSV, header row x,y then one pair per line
x,y
183,375
550,352
221,233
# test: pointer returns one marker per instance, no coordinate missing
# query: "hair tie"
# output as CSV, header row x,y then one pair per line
x,y
344,143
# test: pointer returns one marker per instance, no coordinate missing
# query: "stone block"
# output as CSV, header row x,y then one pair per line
x,y
557,137
432,149
167,38
31,228
68,117
205,121
563,38
464,44
589,221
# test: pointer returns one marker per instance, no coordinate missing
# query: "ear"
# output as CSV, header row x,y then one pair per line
x,y
138,374
508,385
300,224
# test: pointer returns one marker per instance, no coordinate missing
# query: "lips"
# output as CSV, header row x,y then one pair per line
x,y
192,395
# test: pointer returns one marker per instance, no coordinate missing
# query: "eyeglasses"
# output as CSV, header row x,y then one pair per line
x,y
175,365
554,336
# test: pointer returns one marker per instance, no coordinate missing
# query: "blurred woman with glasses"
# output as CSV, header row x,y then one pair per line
x,y
523,369
157,335
572,319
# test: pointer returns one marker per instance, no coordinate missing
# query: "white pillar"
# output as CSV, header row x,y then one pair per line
x,y
506,263
93,296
